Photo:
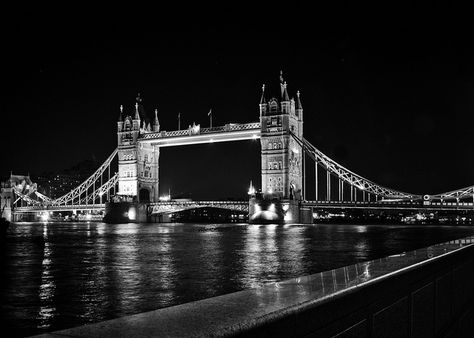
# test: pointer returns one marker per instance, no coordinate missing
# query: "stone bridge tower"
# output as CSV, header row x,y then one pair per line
x,y
138,162
282,156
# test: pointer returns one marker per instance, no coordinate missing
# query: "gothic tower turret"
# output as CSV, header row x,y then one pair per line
x,y
120,119
136,118
263,102
156,122
282,161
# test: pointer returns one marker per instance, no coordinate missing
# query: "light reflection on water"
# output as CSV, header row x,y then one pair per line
x,y
57,275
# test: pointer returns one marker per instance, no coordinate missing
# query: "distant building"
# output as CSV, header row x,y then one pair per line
x,y
20,183
55,185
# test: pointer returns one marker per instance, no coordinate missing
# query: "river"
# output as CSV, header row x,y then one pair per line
x,y
61,275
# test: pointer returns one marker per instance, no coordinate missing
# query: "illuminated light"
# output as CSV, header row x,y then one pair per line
x,y
211,140
45,217
285,207
254,137
251,189
88,217
288,217
165,198
361,187
272,208
270,191
132,214
101,193
296,151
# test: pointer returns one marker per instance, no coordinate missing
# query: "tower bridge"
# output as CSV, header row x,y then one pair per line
x,y
286,159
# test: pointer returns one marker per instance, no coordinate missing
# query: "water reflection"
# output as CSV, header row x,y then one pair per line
x,y
47,286
62,275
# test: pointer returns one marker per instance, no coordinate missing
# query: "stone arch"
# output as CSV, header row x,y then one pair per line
x,y
144,195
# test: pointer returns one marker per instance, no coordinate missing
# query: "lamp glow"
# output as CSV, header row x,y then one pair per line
x,y
132,214
251,189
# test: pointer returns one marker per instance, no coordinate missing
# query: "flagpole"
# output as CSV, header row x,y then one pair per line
x,y
210,117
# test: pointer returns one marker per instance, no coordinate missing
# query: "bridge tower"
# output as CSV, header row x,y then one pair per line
x,y
282,156
137,162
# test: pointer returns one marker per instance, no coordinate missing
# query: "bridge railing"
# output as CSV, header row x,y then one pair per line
x,y
230,127
38,208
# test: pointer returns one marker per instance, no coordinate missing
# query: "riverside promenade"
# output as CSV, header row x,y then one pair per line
x,y
422,293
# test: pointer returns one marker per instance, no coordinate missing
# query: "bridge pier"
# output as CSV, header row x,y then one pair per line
x,y
126,212
266,210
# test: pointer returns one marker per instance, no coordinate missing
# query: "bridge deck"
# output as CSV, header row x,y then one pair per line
x,y
229,132
397,205
175,206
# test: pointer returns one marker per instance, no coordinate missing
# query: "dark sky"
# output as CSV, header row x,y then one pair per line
x,y
393,103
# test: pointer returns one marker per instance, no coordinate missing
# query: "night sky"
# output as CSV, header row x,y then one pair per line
x,y
394,103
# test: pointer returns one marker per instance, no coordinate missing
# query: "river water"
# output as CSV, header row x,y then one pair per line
x,y
61,275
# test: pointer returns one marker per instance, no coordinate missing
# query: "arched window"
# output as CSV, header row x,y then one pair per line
x,y
273,105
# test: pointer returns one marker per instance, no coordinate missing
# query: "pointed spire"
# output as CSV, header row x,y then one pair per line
x,y
281,83
284,95
148,128
121,114
156,122
137,115
262,99
298,101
